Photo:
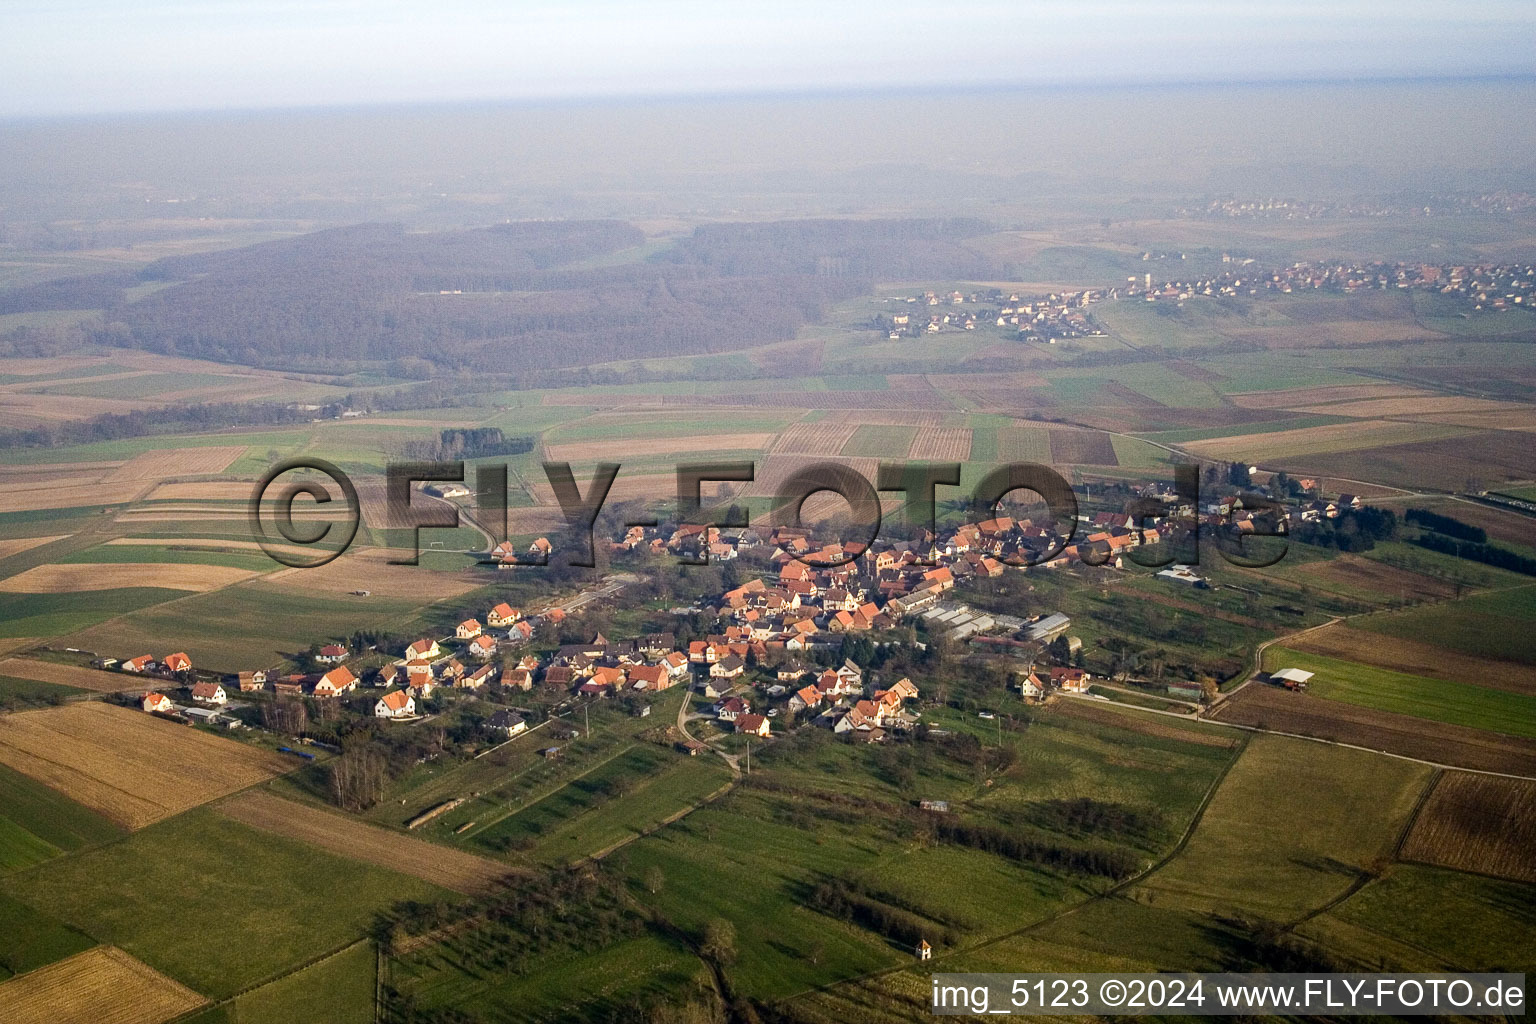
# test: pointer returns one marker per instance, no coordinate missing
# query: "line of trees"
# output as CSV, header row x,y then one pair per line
x,y
1084,860
1446,525
1488,554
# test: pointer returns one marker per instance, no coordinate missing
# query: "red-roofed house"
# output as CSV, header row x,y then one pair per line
x,y
502,616
335,682
395,704
156,702
209,693
177,662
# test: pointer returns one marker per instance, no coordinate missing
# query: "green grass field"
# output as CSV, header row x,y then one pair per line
x,y
1493,625
214,904
1426,918
337,990
1440,700
30,939
170,554
1285,833
49,615
243,626
38,823
880,442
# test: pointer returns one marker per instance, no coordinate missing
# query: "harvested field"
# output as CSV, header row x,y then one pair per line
x,y
69,675
20,411
1270,707
369,569
1117,716
1193,371
172,462
912,398
1515,419
1005,400
883,418
103,985
1024,444
1477,823
133,768
350,837
824,438
1082,447
16,545
941,444
1351,573
175,543
71,492
1291,398
618,449
1492,457
1415,658
206,490
70,578
1382,408
775,470
1335,437
1131,397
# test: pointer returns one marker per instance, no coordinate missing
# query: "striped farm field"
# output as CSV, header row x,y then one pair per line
x,y
172,462
1024,444
347,836
941,444
618,449
80,576
103,985
1337,437
131,767
824,438
1478,823
882,442
68,675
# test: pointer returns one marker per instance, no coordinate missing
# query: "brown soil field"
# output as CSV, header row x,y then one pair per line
x,y
1270,707
891,418
134,768
16,643
618,449
170,462
924,398
1131,397
75,492
19,410
1354,572
1477,823
348,837
1295,397
824,438
103,985
1334,332
207,490
1193,371
1520,419
1416,658
1006,400
69,675
1492,457
369,569
1382,408
69,578
1082,447
16,545
1147,725
1309,441
1505,525
1001,379
775,470
941,444
170,540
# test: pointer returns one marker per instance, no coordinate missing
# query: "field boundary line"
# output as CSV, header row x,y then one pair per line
x,y
1113,892
274,978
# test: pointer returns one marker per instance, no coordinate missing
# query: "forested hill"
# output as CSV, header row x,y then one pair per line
x,y
508,297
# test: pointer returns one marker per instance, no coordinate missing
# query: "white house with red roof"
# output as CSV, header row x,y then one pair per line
x,y
332,654
178,662
502,616
156,702
335,682
395,704
209,693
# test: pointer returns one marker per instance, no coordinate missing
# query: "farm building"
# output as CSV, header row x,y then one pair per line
x,y
1047,628
1291,678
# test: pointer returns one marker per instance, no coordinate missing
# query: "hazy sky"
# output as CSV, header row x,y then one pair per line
x,y
94,56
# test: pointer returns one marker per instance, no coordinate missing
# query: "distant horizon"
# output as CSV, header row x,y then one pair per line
x,y
768,95
92,57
